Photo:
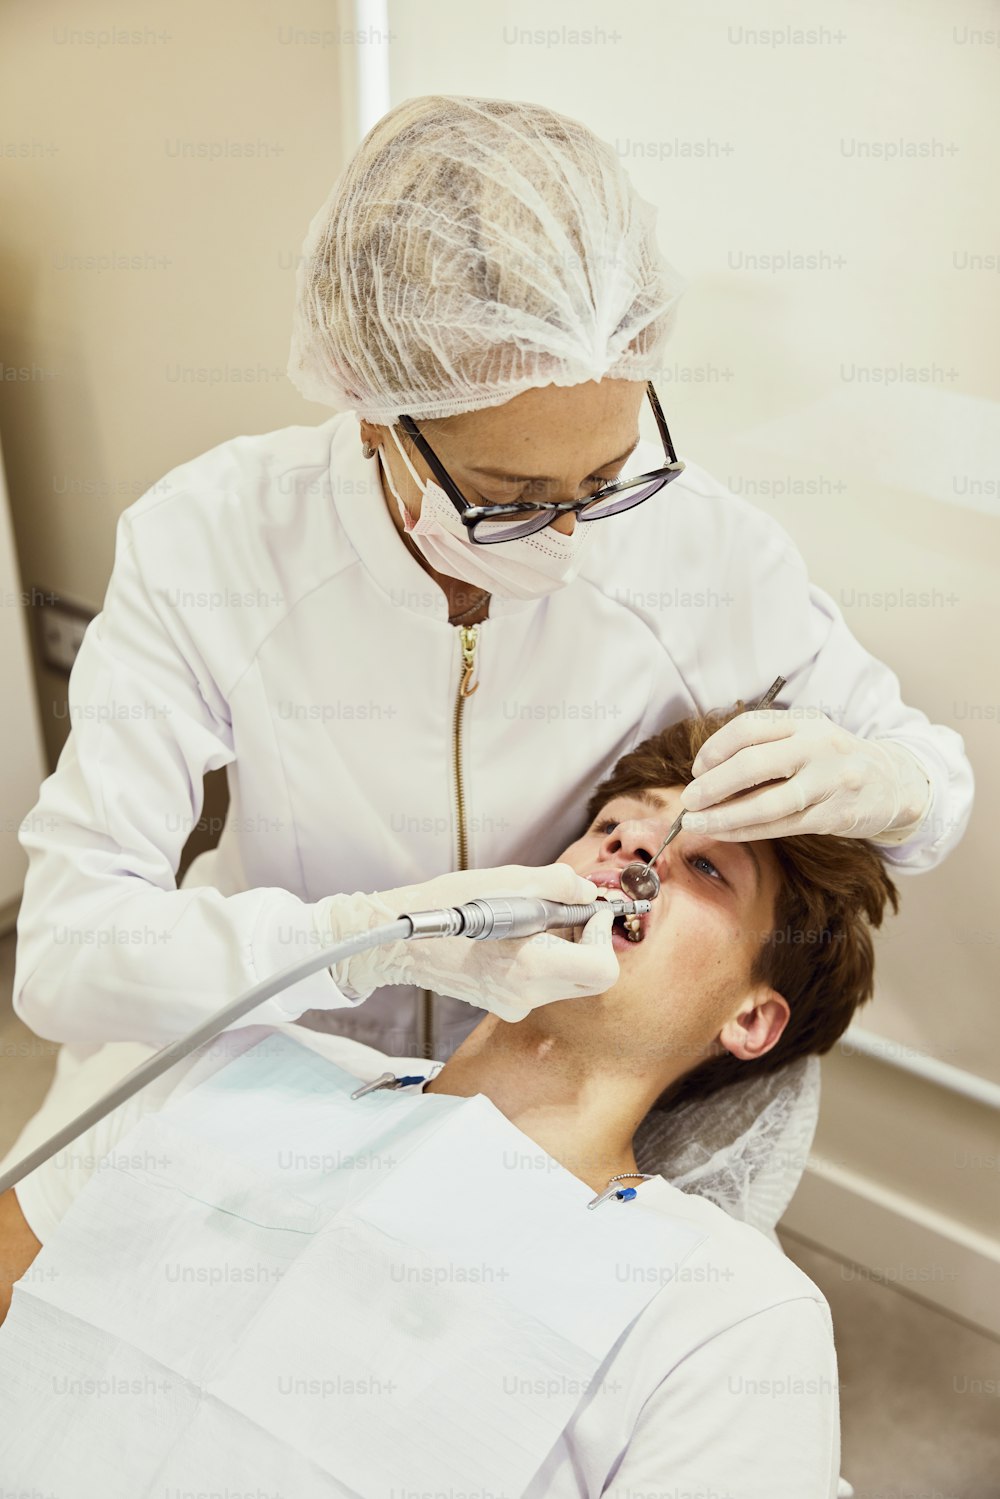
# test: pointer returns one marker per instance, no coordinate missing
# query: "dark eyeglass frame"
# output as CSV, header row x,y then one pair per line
x,y
470,514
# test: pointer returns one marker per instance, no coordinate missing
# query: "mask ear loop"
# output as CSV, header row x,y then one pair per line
x,y
408,520
420,483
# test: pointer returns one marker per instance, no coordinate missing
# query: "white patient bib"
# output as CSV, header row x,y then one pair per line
x,y
271,1287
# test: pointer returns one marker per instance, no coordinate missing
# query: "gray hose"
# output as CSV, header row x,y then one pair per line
x,y
166,1057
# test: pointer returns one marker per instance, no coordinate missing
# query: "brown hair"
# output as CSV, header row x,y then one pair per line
x,y
819,953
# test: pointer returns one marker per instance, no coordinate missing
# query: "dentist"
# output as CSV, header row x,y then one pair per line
x,y
417,633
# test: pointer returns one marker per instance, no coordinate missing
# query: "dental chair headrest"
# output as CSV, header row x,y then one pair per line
x,y
745,1147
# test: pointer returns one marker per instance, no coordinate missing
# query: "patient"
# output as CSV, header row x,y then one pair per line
x,y
754,954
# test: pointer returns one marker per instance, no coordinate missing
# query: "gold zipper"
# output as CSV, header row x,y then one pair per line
x,y
468,639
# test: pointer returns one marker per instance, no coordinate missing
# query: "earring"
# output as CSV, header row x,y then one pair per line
x,y
368,450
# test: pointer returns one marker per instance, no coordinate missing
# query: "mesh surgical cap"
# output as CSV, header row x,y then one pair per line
x,y
472,249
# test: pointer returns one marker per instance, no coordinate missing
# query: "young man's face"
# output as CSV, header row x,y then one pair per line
x,y
688,981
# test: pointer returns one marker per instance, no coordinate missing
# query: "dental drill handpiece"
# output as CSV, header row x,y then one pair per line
x,y
500,916
494,917
641,881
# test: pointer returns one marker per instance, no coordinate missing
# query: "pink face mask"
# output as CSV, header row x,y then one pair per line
x,y
526,568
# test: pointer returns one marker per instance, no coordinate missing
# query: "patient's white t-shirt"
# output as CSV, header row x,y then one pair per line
x,y
725,1388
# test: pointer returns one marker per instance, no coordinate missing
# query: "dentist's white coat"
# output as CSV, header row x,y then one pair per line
x,y
263,614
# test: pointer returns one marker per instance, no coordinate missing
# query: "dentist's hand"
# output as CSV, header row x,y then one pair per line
x,y
828,781
508,977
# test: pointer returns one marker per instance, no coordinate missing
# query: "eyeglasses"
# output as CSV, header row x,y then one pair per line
x,y
491,523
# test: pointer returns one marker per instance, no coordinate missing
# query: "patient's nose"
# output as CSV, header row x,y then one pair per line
x,y
637,838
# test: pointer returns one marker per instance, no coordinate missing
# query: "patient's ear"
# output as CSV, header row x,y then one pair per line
x,y
757,1025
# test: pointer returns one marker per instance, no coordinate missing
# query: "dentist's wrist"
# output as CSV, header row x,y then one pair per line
x,y
341,916
915,797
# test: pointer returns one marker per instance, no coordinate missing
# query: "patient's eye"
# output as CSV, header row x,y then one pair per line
x,y
716,874
608,825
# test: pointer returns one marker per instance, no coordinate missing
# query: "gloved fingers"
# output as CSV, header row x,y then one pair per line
x,y
511,977
514,879
850,811
507,978
794,826
746,769
582,890
499,1003
486,992
557,881
597,931
762,726
788,803
577,933
597,934
822,817
481,974
555,969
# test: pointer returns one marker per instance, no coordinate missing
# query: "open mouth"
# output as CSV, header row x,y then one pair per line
x,y
629,927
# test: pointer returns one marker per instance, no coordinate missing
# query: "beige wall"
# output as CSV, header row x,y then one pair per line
x,y
22,757
903,1184
132,371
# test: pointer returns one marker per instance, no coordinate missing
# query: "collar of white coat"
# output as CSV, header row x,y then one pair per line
x,y
362,511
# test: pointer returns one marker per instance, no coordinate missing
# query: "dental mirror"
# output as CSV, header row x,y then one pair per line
x,y
641,881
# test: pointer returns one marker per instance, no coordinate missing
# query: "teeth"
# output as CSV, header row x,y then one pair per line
x,y
632,924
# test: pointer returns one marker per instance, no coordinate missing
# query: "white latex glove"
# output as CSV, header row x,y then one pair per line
x,y
829,781
508,977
